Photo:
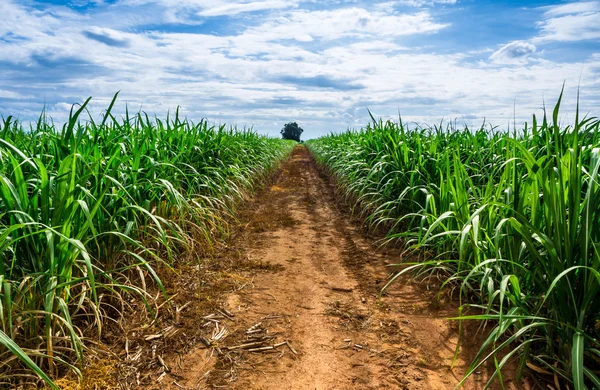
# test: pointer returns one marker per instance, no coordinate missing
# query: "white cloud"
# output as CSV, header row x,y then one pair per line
x,y
570,22
209,8
514,52
304,26
26,23
12,95
237,8
421,3
572,8
377,46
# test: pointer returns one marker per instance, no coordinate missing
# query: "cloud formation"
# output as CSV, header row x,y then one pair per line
x,y
515,51
570,22
237,8
269,62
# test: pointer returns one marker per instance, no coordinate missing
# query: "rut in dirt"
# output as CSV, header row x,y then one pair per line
x,y
318,293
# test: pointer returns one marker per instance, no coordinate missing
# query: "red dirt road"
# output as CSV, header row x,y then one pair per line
x,y
318,290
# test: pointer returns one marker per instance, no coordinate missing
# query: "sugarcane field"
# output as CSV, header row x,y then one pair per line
x,y
290,194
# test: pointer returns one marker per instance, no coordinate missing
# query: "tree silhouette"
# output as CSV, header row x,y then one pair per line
x,y
291,131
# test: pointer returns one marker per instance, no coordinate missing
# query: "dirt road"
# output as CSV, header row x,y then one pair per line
x,y
318,290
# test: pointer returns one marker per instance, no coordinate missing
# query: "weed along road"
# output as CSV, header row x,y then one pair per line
x,y
306,314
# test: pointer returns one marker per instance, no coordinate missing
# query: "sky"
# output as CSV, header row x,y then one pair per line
x,y
323,64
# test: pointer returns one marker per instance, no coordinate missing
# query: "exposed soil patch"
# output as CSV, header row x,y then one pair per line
x,y
305,312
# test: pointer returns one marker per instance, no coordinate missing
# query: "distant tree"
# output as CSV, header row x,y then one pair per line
x,y
291,131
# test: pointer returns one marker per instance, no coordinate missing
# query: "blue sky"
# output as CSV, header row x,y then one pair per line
x,y
320,63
